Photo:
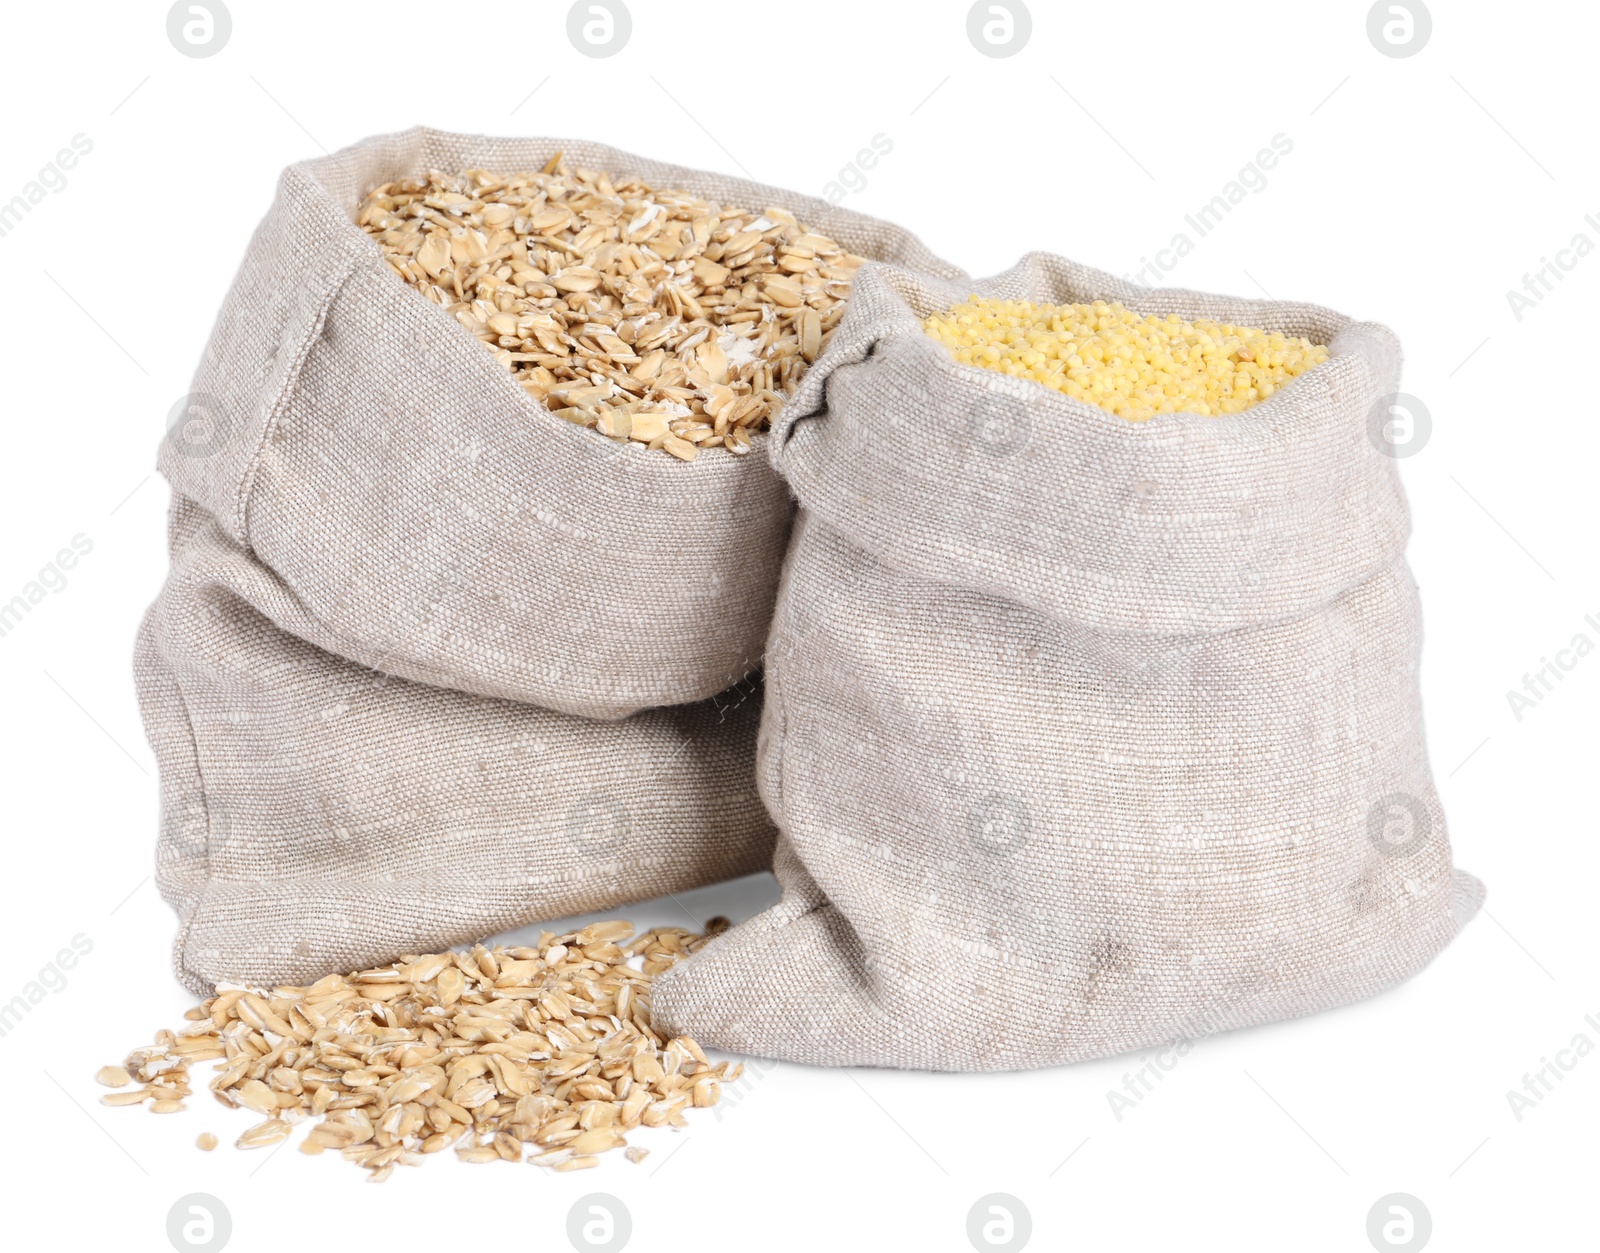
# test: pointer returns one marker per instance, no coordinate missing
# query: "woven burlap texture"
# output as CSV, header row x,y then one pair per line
x,y
319,815
369,450
1081,735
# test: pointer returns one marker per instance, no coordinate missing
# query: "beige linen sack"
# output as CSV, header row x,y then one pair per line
x,y
369,451
1081,735
319,815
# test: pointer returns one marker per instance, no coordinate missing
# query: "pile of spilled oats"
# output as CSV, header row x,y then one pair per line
x,y
655,317
547,1051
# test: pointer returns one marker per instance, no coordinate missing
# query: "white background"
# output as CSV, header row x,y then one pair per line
x,y
1418,191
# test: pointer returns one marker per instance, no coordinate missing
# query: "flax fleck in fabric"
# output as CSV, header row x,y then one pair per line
x,y
1080,735
372,453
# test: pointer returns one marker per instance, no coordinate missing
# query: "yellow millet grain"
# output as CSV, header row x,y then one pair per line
x,y
1132,364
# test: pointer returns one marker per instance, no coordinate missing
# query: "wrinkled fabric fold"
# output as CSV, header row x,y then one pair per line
x,y
318,815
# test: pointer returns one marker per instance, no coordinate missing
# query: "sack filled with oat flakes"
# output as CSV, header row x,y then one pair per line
x,y
320,815
513,391
1081,734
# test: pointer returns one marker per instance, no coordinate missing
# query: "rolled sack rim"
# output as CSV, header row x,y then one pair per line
x,y
430,149
1277,488
310,239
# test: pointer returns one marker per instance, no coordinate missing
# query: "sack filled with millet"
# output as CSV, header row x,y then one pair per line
x,y
1092,721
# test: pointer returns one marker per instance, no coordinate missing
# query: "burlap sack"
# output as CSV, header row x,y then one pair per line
x,y
369,451
1080,735
318,815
